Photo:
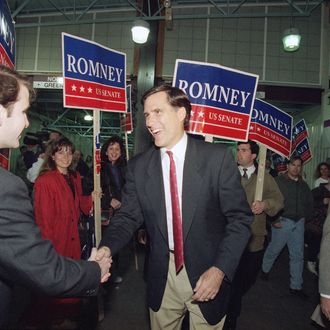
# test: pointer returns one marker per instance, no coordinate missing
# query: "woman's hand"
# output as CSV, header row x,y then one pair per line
x,y
115,204
96,194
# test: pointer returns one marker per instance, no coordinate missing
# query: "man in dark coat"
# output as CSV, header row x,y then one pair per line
x,y
25,258
190,265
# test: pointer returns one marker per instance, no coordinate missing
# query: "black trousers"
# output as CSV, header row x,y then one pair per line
x,y
245,276
313,240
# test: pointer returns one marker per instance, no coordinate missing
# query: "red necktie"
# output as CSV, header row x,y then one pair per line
x,y
176,216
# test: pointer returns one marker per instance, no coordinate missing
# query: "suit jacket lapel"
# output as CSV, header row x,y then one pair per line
x,y
154,189
191,186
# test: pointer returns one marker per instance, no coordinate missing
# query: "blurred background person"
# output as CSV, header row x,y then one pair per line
x,y
321,174
58,200
289,228
113,168
269,169
35,168
79,164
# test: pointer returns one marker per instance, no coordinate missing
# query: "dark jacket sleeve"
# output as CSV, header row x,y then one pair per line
x,y
27,259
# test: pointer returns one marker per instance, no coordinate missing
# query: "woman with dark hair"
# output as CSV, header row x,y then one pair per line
x,y
113,168
112,175
58,200
321,174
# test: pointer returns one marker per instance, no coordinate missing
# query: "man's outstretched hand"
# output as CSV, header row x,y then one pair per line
x,y
104,262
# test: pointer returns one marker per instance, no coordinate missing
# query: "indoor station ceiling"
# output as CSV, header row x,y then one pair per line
x,y
73,11
70,12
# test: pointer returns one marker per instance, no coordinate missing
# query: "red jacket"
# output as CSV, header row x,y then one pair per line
x,y
57,211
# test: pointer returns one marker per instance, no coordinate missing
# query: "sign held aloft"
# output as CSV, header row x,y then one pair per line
x,y
221,98
271,127
94,75
7,36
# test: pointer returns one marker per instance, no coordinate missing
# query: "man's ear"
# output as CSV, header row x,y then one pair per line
x,y
182,113
3,113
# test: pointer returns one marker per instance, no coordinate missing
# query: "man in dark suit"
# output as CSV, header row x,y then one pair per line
x,y
25,258
192,269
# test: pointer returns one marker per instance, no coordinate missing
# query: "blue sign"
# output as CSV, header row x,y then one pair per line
x,y
279,162
272,127
299,133
94,76
303,150
221,98
7,36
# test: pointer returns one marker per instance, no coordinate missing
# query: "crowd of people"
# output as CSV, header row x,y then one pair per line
x,y
208,237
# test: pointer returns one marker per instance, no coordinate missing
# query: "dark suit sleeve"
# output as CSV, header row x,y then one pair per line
x,y
128,218
28,260
238,215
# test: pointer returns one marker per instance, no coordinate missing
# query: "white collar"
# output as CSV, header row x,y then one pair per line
x,y
179,150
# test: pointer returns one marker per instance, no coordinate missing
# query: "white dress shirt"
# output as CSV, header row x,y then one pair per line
x,y
250,170
179,152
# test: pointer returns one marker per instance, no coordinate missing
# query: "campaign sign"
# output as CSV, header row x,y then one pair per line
x,y
7,36
98,154
303,150
4,158
94,76
279,163
299,133
272,127
126,120
221,98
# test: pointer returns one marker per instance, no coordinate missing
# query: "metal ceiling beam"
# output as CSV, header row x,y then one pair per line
x,y
225,9
20,8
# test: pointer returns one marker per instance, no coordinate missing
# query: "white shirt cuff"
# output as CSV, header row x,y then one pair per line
x,y
325,295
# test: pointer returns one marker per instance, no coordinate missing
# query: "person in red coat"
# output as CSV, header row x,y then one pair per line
x,y
58,201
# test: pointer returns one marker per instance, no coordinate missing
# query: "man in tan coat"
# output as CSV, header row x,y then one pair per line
x,y
272,203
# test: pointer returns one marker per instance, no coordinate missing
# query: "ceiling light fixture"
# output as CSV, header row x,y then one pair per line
x,y
291,40
140,31
88,117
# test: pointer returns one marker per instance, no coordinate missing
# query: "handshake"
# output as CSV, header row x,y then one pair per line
x,y
103,257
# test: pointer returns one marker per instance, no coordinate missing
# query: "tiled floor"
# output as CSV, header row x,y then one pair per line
x,y
268,305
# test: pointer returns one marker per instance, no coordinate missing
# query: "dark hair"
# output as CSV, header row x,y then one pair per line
x,y
294,158
175,97
114,139
10,81
253,146
52,148
318,169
